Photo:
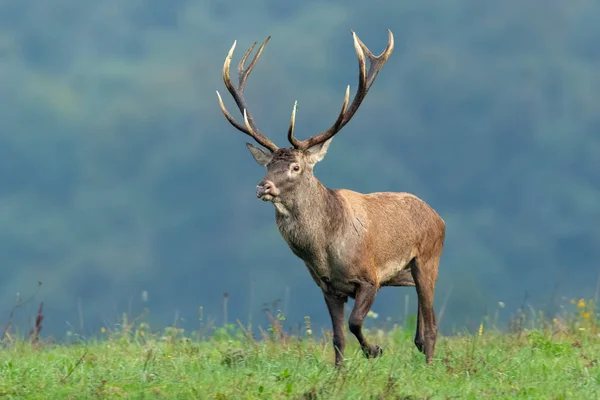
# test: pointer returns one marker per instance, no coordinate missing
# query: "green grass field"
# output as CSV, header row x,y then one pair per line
x,y
556,360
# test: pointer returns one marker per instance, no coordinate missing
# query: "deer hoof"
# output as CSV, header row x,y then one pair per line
x,y
373,351
420,345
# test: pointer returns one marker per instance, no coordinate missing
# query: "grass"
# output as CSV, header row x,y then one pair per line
x,y
554,360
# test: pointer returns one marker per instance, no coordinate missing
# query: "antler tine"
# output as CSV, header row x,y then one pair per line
x,y
365,81
242,82
295,142
249,127
376,63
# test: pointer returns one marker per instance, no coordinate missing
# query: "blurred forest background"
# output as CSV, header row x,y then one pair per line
x,y
123,187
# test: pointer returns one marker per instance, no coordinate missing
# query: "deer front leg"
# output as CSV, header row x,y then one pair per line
x,y
363,300
335,305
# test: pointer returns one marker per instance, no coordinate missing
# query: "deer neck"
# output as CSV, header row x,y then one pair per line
x,y
308,217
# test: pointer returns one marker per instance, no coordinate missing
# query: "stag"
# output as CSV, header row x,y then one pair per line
x,y
352,243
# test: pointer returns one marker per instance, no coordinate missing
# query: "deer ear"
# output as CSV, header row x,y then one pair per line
x,y
318,151
261,156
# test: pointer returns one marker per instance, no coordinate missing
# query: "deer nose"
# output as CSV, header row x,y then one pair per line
x,y
263,188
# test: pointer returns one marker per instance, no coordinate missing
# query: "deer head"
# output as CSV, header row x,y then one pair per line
x,y
289,169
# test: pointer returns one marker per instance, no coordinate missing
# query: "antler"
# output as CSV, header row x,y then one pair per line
x,y
249,127
365,80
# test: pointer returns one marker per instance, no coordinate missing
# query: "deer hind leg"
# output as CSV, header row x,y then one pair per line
x,y
363,300
424,272
405,278
420,333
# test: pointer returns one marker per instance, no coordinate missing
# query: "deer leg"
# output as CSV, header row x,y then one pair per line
x,y
404,278
363,300
425,276
420,334
335,305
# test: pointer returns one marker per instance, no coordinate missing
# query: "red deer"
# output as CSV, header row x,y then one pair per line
x,y
352,243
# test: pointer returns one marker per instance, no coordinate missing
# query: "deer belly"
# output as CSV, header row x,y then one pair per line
x,y
391,269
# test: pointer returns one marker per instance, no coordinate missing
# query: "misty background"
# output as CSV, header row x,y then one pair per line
x,y
123,187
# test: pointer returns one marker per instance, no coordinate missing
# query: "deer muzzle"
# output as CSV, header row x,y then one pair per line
x,y
266,191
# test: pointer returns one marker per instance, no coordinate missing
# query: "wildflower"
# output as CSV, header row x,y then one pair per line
x,y
555,320
307,325
581,303
501,304
103,329
481,329
372,314
586,315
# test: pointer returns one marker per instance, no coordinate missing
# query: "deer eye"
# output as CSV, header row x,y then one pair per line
x,y
296,168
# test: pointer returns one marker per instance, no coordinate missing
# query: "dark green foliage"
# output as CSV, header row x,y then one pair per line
x,y
118,174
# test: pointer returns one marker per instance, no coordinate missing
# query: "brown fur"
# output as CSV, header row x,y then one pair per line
x,y
352,243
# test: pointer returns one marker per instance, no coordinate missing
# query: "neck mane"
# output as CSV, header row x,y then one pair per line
x,y
306,217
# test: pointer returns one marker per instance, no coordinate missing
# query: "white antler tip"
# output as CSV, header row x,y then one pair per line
x,y
246,122
294,111
230,54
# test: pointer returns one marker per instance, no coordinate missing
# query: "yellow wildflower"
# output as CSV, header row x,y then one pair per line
x,y
586,315
555,320
480,329
581,303
103,329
